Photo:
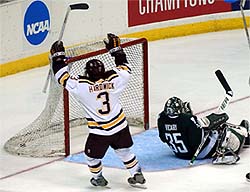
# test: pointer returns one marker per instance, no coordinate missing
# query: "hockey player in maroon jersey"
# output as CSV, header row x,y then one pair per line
x,y
183,132
99,92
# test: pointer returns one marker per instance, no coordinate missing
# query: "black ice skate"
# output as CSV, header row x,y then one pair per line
x,y
248,177
138,178
245,123
100,181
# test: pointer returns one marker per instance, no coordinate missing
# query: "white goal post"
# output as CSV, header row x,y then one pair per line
x,y
50,134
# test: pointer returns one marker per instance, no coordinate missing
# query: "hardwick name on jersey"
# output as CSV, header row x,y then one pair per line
x,y
100,99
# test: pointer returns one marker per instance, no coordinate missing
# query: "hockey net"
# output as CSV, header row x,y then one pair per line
x,y
51,133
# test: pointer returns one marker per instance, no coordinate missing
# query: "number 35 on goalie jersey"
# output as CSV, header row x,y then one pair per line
x,y
100,99
181,133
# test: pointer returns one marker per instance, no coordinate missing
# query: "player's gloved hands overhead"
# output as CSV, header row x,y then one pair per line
x,y
57,51
112,43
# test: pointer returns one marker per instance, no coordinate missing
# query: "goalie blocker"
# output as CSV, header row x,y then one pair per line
x,y
213,121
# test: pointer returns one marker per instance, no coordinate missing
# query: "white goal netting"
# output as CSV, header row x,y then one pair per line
x,y
45,137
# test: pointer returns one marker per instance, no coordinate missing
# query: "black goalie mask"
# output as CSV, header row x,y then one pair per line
x,y
173,106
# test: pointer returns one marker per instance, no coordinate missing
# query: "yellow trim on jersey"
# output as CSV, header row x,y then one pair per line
x,y
122,116
111,77
100,81
63,78
86,81
93,123
107,125
123,67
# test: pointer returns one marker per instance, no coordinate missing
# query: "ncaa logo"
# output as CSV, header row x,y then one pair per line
x,y
36,23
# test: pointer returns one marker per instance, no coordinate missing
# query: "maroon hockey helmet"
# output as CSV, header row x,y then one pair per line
x,y
95,69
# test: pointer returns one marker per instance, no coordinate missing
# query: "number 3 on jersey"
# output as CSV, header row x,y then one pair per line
x,y
104,96
176,144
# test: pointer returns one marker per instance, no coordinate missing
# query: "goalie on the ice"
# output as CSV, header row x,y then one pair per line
x,y
184,132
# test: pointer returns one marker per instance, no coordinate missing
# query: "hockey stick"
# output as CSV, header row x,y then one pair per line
x,y
221,108
227,88
77,6
242,4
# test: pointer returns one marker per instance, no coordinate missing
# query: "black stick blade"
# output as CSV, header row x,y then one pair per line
x,y
224,82
79,6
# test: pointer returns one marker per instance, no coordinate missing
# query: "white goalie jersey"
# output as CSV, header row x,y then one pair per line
x,y
100,99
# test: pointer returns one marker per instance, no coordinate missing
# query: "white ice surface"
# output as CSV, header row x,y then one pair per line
x,y
180,66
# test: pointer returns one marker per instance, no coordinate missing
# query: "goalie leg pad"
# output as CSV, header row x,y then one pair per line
x,y
232,140
235,137
225,152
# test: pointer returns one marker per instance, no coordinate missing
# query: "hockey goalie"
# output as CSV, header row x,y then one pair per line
x,y
183,132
